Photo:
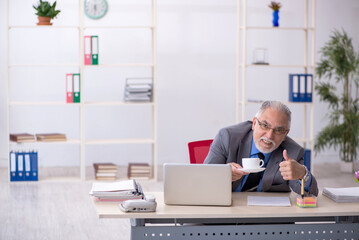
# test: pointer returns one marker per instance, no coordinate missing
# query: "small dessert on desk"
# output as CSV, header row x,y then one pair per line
x,y
307,202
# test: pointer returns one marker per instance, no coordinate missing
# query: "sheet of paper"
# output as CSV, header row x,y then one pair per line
x,y
115,186
268,201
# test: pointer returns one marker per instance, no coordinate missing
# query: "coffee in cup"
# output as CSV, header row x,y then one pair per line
x,y
252,163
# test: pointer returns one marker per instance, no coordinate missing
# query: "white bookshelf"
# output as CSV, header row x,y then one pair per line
x,y
82,142
307,65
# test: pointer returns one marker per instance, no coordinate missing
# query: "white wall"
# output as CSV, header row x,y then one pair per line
x,y
196,72
333,15
3,85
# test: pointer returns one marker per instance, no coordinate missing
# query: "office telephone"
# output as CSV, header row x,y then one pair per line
x,y
148,204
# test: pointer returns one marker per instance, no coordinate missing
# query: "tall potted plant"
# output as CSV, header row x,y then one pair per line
x,y
45,12
339,64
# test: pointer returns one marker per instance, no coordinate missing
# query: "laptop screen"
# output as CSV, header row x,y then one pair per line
x,y
197,184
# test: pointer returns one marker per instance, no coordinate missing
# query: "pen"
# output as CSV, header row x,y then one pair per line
x,y
302,189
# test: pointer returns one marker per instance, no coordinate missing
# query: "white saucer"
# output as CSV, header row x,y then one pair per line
x,y
252,170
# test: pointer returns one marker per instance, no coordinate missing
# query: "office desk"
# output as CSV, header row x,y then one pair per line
x,y
329,220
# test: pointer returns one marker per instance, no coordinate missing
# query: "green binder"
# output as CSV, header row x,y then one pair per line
x,y
94,48
76,88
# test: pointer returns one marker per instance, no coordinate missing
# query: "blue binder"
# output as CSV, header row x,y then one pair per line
x,y
13,173
300,87
294,88
309,87
34,166
27,165
20,166
307,158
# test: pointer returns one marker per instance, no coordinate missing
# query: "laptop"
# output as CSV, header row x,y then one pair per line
x,y
197,184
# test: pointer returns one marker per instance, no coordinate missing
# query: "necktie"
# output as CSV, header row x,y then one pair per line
x,y
253,179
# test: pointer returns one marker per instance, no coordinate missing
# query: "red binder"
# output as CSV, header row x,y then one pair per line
x,y
69,88
88,52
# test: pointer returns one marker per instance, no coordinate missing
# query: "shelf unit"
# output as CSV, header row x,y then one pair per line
x,y
308,65
82,142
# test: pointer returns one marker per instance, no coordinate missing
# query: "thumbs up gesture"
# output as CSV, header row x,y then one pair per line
x,y
291,169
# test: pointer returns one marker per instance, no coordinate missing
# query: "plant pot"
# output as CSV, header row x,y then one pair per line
x,y
44,21
276,18
346,167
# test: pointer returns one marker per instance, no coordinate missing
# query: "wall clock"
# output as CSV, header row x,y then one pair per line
x,y
95,9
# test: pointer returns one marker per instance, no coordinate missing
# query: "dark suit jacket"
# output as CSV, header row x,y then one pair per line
x,y
234,143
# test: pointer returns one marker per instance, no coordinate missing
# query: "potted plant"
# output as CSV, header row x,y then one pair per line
x,y
45,12
275,6
339,63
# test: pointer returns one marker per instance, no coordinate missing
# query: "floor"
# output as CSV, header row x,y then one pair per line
x,y
64,210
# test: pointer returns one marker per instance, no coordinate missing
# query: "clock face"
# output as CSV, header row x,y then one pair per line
x,y
95,9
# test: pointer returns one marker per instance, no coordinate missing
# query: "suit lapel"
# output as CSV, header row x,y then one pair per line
x,y
272,168
244,151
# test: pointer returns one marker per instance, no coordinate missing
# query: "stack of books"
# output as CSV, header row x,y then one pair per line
x,y
105,171
350,194
138,90
139,171
117,191
22,137
50,137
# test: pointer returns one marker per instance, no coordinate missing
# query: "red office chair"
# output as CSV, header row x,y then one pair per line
x,y
198,151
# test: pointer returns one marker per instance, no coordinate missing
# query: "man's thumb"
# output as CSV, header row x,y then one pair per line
x,y
285,155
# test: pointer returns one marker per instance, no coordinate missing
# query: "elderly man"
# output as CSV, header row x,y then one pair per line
x,y
265,137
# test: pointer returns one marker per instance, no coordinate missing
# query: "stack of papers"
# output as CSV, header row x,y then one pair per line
x,y
138,89
350,194
268,201
117,191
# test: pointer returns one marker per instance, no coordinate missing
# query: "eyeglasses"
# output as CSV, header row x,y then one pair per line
x,y
277,131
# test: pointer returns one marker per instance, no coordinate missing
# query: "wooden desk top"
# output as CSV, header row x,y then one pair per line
x,y
239,209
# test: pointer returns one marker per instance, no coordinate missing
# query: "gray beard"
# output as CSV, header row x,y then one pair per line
x,y
265,151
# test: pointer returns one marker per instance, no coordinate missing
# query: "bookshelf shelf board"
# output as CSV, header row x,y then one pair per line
x,y
121,65
119,26
275,65
120,141
118,103
277,28
45,65
43,26
69,142
21,103
285,102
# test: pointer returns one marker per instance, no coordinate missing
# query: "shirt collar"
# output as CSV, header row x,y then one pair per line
x,y
254,150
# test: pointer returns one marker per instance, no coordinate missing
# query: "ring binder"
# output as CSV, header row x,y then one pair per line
x,y
94,50
87,46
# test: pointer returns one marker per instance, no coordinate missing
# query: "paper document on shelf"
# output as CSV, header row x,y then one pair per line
x,y
268,201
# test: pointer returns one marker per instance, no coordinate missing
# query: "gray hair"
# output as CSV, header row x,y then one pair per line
x,y
277,106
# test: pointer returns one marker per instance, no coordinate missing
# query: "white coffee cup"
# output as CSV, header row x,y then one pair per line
x,y
252,163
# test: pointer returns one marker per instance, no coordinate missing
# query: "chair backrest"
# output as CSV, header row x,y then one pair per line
x,y
198,151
